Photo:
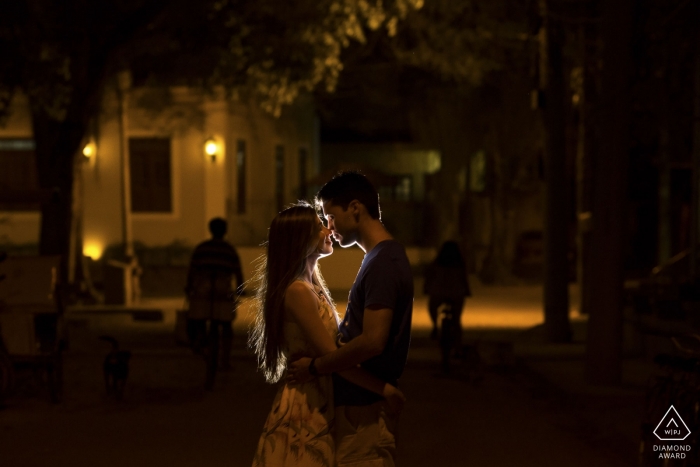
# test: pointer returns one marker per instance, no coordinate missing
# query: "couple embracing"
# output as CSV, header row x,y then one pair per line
x,y
339,403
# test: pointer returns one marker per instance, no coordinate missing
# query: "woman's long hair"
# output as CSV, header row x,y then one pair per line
x,y
291,238
449,255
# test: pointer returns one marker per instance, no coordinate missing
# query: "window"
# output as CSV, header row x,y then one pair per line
x,y
404,189
149,163
18,172
477,172
240,177
279,177
303,161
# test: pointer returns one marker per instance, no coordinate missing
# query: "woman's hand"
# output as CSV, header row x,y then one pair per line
x,y
394,398
298,371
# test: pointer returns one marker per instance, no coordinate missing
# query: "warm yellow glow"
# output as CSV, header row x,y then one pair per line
x,y
93,250
89,150
434,162
491,312
211,148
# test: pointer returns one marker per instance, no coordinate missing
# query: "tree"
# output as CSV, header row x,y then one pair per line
x,y
63,54
473,63
604,344
557,204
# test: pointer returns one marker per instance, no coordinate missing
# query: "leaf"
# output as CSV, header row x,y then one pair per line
x,y
317,454
326,430
294,449
259,458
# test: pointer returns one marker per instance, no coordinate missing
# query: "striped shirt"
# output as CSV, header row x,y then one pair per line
x,y
214,264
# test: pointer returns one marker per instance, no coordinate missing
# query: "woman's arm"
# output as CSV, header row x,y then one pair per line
x,y
302,305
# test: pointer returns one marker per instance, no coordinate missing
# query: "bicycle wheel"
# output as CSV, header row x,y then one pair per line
x,y
446,343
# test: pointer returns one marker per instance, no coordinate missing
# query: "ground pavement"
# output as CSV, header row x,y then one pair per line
x,y
531,409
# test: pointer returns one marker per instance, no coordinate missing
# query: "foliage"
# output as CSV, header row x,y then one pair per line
x,y
53,50
64,54
462,41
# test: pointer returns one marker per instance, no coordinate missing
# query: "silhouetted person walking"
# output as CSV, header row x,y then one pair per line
x,y
212,298
446,283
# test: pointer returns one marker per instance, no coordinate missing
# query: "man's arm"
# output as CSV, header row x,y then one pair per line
x,y
376,324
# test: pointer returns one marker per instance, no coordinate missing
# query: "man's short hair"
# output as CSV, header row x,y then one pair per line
x,y
218,227
347,186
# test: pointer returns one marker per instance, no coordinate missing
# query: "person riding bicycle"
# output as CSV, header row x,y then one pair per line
x,y
446,283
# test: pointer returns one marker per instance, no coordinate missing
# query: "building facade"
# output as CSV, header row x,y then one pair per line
x,y
177,158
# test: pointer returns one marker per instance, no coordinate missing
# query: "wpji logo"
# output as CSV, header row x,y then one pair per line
x,y
672,427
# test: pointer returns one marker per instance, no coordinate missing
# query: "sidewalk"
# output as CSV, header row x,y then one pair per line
x,y
532,409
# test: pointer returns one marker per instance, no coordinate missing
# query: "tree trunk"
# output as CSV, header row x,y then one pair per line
x,y
664,193
587,143
58,143
556,229
56,146
583,207
604,345
497,267
695,202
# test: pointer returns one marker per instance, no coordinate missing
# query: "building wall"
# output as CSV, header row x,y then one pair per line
x,y
18,227
295,129
201,188
102,210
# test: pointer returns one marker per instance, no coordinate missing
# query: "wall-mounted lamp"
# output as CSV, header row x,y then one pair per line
x,y
90,150
211,148
93,250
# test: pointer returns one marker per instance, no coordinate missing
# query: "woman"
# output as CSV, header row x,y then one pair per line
x,y
446,283
296,317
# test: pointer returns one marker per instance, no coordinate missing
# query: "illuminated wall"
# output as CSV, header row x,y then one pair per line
x,y
16,226
202,186
293,131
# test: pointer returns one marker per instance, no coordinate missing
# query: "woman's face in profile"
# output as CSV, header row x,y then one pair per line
x,y
323,245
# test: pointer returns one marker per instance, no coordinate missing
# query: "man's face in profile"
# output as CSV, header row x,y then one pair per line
x,y
341,222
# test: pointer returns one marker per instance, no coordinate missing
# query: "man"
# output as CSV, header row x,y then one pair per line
x,y
375,332
209,291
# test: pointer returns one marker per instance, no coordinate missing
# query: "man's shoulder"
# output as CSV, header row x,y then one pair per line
x,y
389,247
390,251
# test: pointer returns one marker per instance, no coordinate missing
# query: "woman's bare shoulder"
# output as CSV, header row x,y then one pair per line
x,y
299,287
299,291
299,300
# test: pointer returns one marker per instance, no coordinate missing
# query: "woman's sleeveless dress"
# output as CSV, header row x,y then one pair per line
x,y
298,431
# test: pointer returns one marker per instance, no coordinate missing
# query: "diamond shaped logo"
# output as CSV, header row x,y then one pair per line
x,y
672,427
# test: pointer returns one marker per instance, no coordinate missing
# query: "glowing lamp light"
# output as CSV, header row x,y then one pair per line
x,y
211,148
90,150
92,250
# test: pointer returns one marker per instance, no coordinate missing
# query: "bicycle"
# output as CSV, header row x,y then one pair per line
x,y
468,359
449,338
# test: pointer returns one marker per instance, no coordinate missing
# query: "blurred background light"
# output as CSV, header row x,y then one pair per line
x,y
93,250
211,148
90,150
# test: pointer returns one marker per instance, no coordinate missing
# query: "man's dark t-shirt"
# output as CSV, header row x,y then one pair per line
x,y
384,280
